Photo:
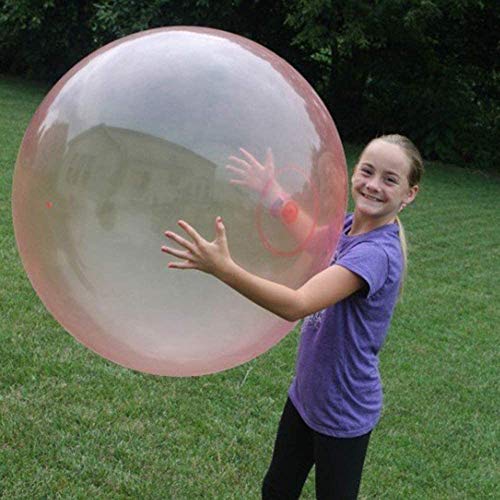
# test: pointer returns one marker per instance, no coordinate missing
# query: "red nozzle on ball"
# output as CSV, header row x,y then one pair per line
x,y
289,212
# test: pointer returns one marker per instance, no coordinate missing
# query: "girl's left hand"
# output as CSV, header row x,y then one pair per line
x,y
251,173
209,257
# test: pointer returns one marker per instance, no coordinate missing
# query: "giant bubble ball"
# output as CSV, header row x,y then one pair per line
x,y
137,136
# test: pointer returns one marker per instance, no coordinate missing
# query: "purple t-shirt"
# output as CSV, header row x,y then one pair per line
x,y
337,388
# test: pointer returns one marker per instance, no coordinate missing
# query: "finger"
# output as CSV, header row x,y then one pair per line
x,y
181,254
182,265
241,162
180,241
237,171
251,158
220,230
191,231
269,158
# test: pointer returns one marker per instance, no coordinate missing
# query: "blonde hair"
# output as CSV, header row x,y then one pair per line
x,y
416,171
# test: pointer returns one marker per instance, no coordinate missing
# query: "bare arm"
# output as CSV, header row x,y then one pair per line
x,y
324,289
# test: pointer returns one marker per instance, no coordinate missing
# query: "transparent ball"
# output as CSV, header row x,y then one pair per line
x,y
137,136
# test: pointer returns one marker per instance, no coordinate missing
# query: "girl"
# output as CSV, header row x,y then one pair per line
x,y
335,399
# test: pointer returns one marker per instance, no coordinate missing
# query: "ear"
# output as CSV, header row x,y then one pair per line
x,y
412,192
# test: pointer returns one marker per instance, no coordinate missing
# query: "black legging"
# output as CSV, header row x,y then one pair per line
x,y
338,461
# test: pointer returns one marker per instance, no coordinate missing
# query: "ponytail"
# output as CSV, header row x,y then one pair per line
x,y
404,252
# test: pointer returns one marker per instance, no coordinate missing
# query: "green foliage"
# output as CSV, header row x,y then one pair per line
x,y
117,18
425,68
42,39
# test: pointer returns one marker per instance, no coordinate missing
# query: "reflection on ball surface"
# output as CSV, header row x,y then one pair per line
x,y
136,137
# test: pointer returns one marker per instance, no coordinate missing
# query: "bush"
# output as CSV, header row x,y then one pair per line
x,y
43,39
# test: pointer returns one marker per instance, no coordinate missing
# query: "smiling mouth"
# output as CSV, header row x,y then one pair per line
x,y
367,196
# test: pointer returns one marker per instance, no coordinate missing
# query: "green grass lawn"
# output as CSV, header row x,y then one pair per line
x,y
73,425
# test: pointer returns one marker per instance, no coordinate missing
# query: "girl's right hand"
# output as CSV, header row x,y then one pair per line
x,y
198,253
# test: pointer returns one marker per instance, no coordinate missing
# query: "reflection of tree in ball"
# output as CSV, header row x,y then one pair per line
x,y
135,137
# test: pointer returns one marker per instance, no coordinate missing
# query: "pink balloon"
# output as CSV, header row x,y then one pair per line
x,y
137,136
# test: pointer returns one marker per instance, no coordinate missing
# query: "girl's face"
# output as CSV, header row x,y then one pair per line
x,y
380,185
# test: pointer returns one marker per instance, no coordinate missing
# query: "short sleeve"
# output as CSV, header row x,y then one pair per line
x,y
369,261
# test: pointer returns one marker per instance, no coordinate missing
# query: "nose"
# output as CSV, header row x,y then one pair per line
x,y
373,185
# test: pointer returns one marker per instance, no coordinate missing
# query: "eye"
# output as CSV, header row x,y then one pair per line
x,y
392,180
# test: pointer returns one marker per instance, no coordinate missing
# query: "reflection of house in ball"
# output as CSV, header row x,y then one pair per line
x,y
120,169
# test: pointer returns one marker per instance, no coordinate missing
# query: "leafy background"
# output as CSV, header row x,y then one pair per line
x,y
426,68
